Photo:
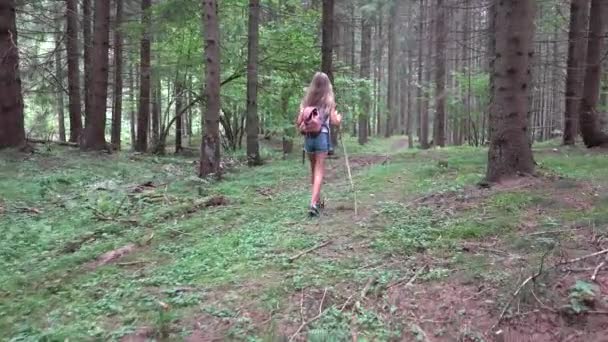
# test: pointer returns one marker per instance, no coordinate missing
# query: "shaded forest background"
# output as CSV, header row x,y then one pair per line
x,y
390,60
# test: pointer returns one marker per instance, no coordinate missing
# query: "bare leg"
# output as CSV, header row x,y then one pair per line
x,y
311,156
319,172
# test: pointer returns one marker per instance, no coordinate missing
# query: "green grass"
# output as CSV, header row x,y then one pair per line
x,y
236,253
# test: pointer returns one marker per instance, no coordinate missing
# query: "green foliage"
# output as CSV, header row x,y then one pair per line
x,y
581,294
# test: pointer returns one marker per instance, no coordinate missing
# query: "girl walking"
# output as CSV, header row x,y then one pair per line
x,y
319,101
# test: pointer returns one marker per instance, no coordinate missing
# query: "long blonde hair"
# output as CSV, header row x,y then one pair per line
x,y
320,93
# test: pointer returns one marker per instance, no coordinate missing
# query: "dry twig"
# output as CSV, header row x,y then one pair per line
x,y
312,249
597,270
541,303
584,257
366,287
304,324
29,210
412,279
554,231
350,177
518,290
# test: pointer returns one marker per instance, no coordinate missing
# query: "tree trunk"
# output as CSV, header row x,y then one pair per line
x,y
440,66
12,132
87,43
179,105
392,51
589,118
117,107
466,54
510,153
366,54
253,146
379,48
327,52
133,118
210,145
156,109
408,86
189,115
73,71
143,115
94,133
424,119
60,76
419,87
327,38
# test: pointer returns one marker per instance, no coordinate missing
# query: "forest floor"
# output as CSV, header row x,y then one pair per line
x,y
132,247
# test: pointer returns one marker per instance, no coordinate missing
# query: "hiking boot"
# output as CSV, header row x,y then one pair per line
x,y
313,211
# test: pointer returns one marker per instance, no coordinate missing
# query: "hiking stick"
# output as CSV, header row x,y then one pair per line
x,y
350,176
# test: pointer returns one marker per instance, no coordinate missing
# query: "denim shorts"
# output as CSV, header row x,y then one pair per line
x,y
317,144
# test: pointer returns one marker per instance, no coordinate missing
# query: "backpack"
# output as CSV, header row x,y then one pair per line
x,y
310,121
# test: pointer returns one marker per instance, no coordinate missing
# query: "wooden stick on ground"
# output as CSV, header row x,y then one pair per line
x,y
597,270
605,251
312,249
60,143
411,279
350,176
304,324
519,288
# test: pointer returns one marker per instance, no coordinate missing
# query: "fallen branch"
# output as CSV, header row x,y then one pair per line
x,y
304,324
312,249
350,176
102,217
132,263
554,231
541,303
597,270
411,280
346,303
29,210
179,231
506,307
518,290
366,287
596,312
605,251
60,143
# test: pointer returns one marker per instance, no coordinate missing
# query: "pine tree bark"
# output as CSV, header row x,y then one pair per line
x,y
87,44
365,71
327,39
156,109
409,123
510,152
591,130
424,119
210,146
143,115
392,51
419,87
440,67
253,146
72,48
12,132
118,82
133,118
94,133
59,74
327,45
179,105
378,70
